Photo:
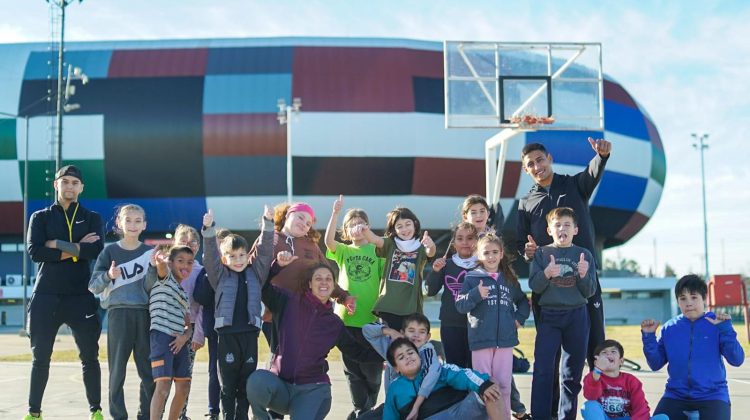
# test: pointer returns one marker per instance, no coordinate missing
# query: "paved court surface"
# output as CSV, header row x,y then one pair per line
x,y
64,396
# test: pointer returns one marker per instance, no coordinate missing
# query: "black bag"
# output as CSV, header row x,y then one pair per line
x,y
520,363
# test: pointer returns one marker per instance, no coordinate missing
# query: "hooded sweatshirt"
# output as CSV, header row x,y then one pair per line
x,y
492,321
694,351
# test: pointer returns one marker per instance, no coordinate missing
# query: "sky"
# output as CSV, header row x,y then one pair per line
x,y
686,62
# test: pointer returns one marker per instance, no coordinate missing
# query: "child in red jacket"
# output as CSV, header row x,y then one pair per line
x,y
611,393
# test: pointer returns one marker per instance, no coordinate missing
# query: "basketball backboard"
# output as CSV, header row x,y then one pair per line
x,y
493,84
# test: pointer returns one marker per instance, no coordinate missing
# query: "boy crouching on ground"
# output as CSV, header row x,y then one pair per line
x,y
483,402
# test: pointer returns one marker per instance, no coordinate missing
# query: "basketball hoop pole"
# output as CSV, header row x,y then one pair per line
x,y
494,161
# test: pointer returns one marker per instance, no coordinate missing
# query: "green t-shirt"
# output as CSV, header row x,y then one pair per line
x,y
359,274
401,288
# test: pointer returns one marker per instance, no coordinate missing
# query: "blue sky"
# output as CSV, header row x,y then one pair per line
x,y
685,61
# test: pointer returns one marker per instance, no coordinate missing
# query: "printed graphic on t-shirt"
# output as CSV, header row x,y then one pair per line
x,y
359,267
615,401
403,267
568,273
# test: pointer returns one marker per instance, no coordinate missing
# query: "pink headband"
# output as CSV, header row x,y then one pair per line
x,y
301,207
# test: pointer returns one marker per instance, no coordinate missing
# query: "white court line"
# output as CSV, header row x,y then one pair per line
x,y
12,379
740,381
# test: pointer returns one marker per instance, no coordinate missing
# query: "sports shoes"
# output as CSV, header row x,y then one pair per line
x,y
30,417
97,415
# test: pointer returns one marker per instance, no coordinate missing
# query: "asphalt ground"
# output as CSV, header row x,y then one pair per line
x,y
64,396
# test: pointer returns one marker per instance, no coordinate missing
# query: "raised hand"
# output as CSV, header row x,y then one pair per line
x,y
208,218
484,291
114,271
285,258
583,266
530,248
338,204
427,241
601,147
438,264
159,258
720,317
267,212
649,325
553,268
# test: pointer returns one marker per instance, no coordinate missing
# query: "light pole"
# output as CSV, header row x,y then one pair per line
x,y
25,262
62,4
285,114
700,144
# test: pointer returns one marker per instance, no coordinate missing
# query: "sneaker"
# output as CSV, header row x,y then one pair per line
x,y
212,416
30,417
97,415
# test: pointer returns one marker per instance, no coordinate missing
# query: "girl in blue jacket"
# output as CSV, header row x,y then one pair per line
x,y
693,344
497,307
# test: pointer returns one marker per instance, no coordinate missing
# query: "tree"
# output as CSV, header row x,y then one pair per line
x,y
669,271
623,268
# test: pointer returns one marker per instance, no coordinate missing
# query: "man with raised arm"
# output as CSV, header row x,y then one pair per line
x,y
553,190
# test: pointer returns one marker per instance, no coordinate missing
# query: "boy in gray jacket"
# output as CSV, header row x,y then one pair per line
x,y
564,275
238,308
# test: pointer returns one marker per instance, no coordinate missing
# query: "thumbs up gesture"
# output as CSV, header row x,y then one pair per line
x,y
530,248
601,146
553,269
114,271
208,218
427,241
583,266
484,291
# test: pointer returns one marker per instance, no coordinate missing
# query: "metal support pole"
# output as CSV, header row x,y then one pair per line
x,y
289,192
60,93
25,279
701,146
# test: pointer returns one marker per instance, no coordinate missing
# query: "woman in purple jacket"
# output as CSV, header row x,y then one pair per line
x,y
307,329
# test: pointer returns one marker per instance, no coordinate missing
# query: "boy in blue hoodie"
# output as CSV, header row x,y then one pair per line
x,y
693,344
483,402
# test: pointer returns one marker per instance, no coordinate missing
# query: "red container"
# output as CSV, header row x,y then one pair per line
x,y
726,290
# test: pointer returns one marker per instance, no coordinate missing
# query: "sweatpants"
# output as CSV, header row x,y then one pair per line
x,y
569,328
596,334
364,378
128,332
238,358
498,363
456,345
214,386
711,409
302,402
596,320
47,312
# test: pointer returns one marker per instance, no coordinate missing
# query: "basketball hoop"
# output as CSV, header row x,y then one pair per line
x,y
530,121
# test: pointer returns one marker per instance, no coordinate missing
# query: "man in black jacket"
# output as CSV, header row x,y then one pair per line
x,y
63,239
553,190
